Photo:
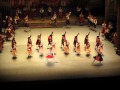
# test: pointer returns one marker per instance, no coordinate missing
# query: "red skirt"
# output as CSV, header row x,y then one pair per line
x,y
49,56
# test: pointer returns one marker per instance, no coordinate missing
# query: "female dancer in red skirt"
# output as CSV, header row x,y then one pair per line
x,y
98,57
50,55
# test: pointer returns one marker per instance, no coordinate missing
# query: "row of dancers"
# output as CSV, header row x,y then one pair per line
x,y
92,22
64,45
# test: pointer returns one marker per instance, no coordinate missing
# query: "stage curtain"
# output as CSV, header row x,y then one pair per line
x,y
12,2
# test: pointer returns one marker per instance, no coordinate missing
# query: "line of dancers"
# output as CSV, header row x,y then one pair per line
x,y
92,22
64,45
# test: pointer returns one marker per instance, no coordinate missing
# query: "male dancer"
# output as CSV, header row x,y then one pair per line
x,y
86,40
75,41
13,43
50,39
38,42
97,41
63,39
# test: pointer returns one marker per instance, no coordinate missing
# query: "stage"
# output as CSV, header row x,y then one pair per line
x,y
68,67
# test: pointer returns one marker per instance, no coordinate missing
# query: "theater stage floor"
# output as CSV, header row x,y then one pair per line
x,y
68,67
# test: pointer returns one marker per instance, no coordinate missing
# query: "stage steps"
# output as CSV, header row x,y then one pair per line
x,y
46,25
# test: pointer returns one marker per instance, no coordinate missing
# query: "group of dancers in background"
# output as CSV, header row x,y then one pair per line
x,y
64,45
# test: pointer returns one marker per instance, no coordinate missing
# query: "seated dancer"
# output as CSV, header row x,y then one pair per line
x,y
50,55
78,48
98,57
88,50
14,51
97,41
86,40
54,19
66,47
63,40
68,18
38,42
75,41
50,39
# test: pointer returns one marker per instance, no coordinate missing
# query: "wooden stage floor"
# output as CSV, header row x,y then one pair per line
x,y
68,67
